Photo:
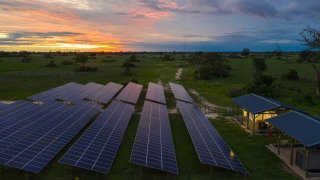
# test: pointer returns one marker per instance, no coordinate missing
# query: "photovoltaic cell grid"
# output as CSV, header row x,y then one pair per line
x,y
105,93
53,94
180,93
15,108
97,147
210,146
155,93
130,93
2,106
32,142
78,94
153,146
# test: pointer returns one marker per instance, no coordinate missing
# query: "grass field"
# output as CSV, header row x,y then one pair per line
x,y
20,80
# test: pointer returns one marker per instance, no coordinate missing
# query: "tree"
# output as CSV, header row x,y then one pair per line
x,y
261,84
210,65
81,58
245,52
311,38
259,65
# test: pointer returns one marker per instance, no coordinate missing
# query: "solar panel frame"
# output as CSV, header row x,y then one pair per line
x,y
209,145
155,93
96,149
131,93
180,93
39,147
153,146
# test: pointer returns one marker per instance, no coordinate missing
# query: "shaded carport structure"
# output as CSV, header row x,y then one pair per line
x,y
301,128
259,106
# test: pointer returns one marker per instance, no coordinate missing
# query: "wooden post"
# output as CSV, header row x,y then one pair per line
x,y
291,155
308,162
254,125
279,138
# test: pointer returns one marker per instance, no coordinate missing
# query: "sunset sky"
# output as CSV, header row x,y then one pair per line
x,y
155,25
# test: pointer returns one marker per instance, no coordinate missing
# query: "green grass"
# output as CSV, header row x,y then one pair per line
x,y
20,80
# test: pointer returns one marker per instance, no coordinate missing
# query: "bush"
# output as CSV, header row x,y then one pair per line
x,y
128,65
67,63
51,64
167,57
108,60
47,55
292,74
235,92
133,59
26,59
86,69
309,98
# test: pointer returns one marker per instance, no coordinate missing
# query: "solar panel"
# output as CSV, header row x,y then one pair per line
x,y
130,93
79,94
15,108
210,146
27,120
105,93
155,93
32,147
53,94
180,93
153,146
2,106
98,146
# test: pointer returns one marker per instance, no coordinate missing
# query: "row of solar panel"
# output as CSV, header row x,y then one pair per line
x,y
33,134
210,146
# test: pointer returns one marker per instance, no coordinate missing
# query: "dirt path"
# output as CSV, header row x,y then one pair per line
x,y
208,105
178,73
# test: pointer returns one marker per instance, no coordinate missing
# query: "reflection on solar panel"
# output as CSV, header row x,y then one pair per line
x,y
52,94
153,145
35,140
78,94
180,93
156,93
98,146
106,93
210,146
130,93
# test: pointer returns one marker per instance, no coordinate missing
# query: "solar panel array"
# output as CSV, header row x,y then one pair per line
x,y
98,146
180,93
30,139
78,94
156,93
153,146
130,93
210,146
105,93
52,94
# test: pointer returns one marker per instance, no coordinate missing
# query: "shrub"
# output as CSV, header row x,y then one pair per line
x,y
67,63
26,59
167,57
51,64
128,65
86,69
292,74
235,92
